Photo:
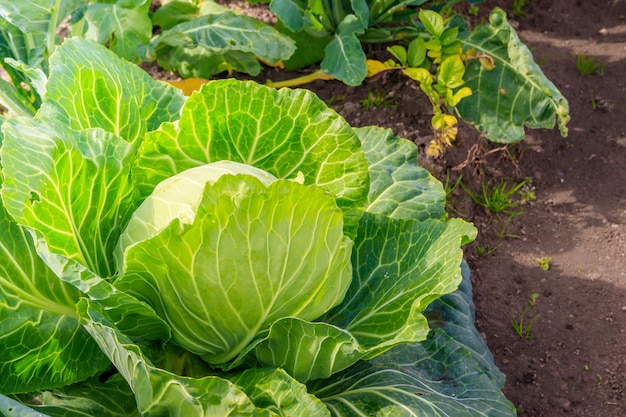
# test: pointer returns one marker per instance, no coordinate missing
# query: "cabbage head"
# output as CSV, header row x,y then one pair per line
x,y
223,250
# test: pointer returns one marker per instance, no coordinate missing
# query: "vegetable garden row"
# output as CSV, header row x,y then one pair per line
x,y
242,251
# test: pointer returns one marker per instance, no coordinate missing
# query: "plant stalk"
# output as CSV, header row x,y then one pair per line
x,y
305,79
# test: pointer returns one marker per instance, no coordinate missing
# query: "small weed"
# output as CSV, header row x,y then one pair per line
x,y
484,250
521,327
500,202
378,99
544,263
600,104
594,101
527,194
449,188
335,99
473,10
586,65
518,9
498,199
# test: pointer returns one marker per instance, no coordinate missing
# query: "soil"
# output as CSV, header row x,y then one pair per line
x,y
573,360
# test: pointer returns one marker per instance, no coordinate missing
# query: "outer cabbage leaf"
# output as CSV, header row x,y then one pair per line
x,y
274,389
219,42
309,49
252,255
23,58
37,15
159,392
34,76
515,93
112,398
451,374
283,132
344,57
399,187
198,62
13,408
170,14
123,25
455,314
89,86
400,267
42,343
133,317
58,181
12,99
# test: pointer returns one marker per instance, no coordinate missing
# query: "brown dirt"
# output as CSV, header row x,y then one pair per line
x,y
574,363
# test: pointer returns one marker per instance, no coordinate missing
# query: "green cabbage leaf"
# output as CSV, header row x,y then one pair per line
x,y
515,93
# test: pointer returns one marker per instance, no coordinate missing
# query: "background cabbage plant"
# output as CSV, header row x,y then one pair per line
x,y
306,295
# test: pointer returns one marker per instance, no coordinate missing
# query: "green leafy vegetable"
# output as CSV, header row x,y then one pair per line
x,y
441,377
310,139
219,41
244,253
124,25
236,265
42,342
515,92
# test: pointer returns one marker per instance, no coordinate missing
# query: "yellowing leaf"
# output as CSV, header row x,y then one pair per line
x,y
435,148
189,85
487,62
374,66
460,95
421,75
449,120
451,72
471,53
448,136
438,122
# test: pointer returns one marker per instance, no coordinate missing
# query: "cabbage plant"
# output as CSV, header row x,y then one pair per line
x,y
241,252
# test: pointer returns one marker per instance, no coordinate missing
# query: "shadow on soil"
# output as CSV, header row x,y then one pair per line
x,y
558,364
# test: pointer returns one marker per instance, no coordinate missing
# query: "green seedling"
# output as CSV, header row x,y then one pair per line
x,y
449,188
500,201
334,100
586,65
527,194
473,10
544,263
518,9
600,104
378,100
484,250
522,327
593,100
